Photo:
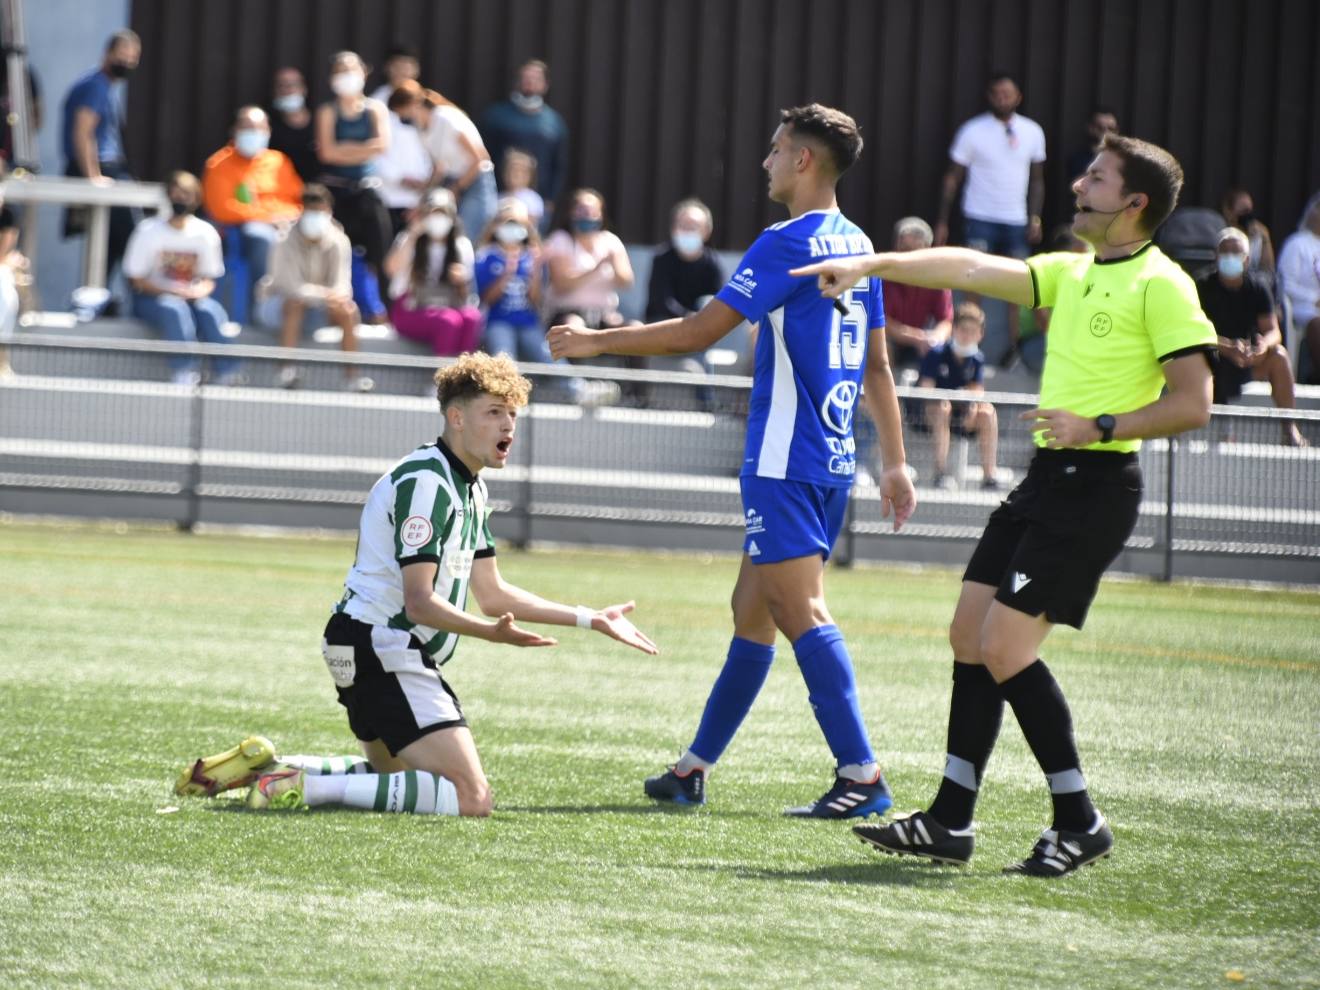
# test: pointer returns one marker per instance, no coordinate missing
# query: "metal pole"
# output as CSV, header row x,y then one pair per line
x,y
526,509
1168,510
98,247
194,483
20,97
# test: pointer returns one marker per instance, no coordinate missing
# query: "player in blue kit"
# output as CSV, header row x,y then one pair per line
x,y
813,360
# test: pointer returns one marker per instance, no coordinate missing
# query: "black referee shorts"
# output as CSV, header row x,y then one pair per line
x,y
388,683
1049,541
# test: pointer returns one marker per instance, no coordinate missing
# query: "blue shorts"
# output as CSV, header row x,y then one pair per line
x,y
1009,239
787,519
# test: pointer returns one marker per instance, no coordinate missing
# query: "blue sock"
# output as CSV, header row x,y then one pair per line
x,y
832,690
731,698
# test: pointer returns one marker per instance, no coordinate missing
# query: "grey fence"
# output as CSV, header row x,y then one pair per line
x,y
95,427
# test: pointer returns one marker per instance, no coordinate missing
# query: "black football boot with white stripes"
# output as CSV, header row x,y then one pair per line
x,y
848,799
918,834
1060,851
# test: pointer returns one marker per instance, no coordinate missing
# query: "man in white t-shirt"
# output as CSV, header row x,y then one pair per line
x,y
171,264
1001,155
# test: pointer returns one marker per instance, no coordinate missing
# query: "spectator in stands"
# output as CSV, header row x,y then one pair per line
x,y
1240,305
8,112
94,140
1001,154
14,270
291,123
462,162
509,281
959,364
1102,121
352,131
309,284
588,264
249,191
526,122
430,272
172,264
916,319
1239,210
406,169
1299,273
686,272
518,179
400,66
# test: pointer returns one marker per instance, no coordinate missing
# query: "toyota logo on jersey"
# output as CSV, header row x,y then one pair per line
x,y
837,409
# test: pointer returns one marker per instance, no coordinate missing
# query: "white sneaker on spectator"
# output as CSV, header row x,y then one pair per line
x,y
232,379
863,476
290,377
186,378
598,392
360,383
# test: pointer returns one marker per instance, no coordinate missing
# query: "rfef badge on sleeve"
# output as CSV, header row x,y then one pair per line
x,y
415,532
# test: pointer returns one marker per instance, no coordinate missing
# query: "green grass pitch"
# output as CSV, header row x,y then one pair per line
x,y
127,652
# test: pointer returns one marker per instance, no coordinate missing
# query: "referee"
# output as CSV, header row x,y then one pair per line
x,y
1126,326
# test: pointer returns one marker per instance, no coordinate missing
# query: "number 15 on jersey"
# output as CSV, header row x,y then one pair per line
x,y
848,332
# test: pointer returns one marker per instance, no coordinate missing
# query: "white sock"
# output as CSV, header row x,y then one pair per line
x,y
862,773
690,761
410,790
323,765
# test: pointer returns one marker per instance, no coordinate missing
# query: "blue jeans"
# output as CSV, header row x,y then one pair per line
x,y
188,322
1009,239
247,256
478,203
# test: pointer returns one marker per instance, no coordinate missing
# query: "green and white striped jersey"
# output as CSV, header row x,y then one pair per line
x,y
428,507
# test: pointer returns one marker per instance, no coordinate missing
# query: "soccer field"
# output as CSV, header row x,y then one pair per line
x,y
126,653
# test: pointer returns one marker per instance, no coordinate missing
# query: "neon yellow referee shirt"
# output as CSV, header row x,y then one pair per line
x,y
1114,324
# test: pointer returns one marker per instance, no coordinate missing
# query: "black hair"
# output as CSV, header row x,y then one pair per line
x,y
832,128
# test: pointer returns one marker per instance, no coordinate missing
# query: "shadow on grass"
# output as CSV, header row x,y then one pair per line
x,y
616,809
882,873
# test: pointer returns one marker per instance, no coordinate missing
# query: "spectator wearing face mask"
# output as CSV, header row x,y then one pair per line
x,y
291,123
959,364
685,271
94,140
509,279
430,272
352,132
172,264
250,191
1240,305
1239,210
406,169
309,284
526,122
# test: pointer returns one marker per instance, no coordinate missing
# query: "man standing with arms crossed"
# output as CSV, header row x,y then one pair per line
x,y
811,358
1126,324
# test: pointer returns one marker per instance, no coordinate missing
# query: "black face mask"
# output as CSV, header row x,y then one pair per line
x,y
181,209
407,122
118,70
1246,217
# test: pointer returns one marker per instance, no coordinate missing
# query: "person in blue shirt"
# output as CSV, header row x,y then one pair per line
x,y
93,139
812,363
958,364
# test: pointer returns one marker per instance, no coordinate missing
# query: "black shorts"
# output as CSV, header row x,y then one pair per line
x,y
388,683
1049,541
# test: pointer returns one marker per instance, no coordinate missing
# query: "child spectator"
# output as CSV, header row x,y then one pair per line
x,y
959,364
518,179
509,277
430,272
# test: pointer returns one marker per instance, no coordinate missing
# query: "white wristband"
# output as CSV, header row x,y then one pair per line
x,y
584,616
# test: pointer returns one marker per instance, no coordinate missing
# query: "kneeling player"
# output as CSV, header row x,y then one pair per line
x,y
423,538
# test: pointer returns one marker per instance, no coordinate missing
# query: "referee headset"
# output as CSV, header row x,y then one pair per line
x,y
1114,215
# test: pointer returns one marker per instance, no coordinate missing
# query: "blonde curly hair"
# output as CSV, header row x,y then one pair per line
x,y
476,373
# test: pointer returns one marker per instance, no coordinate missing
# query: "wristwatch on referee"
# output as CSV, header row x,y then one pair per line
x,y
1105,423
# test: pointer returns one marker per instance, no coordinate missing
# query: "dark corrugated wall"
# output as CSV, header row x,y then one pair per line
x,y
670,97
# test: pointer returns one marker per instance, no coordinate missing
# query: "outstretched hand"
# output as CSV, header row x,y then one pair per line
x,y
837,275
572,342
613,621
506,631
897,496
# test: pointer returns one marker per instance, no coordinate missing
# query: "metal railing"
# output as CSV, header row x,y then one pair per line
x,y
100,417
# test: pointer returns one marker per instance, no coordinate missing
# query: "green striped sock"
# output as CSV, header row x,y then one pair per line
x,y
410,791
324,766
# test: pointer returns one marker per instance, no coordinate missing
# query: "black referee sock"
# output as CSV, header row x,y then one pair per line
x,y
1046,722
976,709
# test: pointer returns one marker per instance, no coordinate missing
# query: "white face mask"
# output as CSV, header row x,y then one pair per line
x,y
250,143
289,103
438,226
347,83
524,101
510,233
1230,265
964,350
687,241
314,223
